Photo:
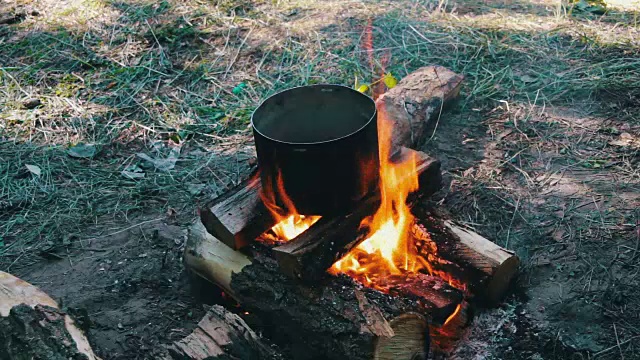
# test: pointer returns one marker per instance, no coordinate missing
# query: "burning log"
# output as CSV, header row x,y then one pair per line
x,y
238,217
335,319
221,334
468,258
309,255
32,326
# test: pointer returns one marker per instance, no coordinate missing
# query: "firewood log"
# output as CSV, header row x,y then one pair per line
x,y
416,101
222,335
238,217
32,326
471,259
333,319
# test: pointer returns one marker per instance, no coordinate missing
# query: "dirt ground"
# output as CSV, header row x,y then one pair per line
x,y
118,118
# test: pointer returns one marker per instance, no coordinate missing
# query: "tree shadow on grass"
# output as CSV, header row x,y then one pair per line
x,y
163,75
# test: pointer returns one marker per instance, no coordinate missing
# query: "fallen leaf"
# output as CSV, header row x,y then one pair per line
x,y
558,235
627,139
195,189
363,88
390,81
84,151
527,79
133,172
32,103
35,170
165,164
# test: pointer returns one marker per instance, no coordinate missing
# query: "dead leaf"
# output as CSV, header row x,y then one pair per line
x,y
165,164
81,150
558,235
627,139
133,172
527,79
195,189
35,170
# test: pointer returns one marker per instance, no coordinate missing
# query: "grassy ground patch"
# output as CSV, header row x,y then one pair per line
x,y
162,93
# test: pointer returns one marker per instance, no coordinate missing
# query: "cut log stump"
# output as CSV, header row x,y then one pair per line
x,y
334,319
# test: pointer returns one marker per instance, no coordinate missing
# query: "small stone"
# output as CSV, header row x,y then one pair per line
x,y
120,326
32,103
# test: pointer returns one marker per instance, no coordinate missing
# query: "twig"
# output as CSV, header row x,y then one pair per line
x,y
615,346
439,112
123,230
235,58
615,331
506,245
154,36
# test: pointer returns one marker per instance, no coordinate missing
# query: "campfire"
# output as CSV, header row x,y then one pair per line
x,y
370,273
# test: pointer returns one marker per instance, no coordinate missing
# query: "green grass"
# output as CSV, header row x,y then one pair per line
x,y
145,77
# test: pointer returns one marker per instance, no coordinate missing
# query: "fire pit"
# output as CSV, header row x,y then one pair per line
x,y
368,274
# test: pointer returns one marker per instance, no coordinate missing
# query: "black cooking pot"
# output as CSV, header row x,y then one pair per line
x,y
320,144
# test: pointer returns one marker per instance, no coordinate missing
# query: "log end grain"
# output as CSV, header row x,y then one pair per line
x,y
410,340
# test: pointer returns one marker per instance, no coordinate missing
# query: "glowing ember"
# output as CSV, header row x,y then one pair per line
x,y
290,222
453,316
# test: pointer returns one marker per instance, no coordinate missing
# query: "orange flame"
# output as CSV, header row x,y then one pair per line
x,y
387,250
289,222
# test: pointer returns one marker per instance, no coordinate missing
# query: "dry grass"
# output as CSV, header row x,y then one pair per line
x,y
132,77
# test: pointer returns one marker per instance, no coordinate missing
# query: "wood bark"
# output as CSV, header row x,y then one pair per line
x,y
471,259
309,255
32,326
222,335
334,319
416,101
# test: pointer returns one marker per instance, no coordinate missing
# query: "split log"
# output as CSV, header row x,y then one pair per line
x,y
335,319
32,326
221,335
309,255
238,217
471,259
418,98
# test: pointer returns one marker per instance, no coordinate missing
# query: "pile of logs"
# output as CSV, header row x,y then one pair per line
x,y
322,316
286,286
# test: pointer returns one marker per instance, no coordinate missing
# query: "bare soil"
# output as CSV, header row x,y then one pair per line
x,y
131,286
